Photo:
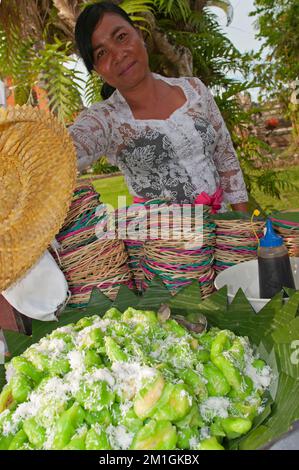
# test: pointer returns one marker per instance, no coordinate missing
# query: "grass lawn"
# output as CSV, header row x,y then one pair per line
x,y
111,188
289,198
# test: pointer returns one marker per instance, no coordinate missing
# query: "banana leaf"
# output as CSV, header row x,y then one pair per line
x,y
274,332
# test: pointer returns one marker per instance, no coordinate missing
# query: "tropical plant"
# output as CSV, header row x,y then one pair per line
x,y
183,38
276,66
103,167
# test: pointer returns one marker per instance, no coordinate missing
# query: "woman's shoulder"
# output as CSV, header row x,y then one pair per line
x,y
106,110
107,107
188,81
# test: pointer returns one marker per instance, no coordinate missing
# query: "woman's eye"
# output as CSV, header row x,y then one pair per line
x,y
121,36
100,53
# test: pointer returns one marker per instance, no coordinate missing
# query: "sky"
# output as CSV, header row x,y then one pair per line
x,y
241,31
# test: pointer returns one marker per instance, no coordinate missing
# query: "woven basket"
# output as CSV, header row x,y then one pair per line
x,y
177,260
290,233
86,260
85,199
101,264
235,242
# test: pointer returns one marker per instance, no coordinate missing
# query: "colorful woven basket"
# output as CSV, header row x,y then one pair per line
x,y
235,242
287,225
168,250
86,260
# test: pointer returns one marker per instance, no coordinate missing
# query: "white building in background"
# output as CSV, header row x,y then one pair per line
x,y
2,94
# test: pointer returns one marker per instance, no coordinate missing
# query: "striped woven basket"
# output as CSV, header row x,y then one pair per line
x,y
288,228
235,242
168,250
86,260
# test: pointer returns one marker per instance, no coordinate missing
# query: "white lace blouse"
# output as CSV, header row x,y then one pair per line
x,y
175,158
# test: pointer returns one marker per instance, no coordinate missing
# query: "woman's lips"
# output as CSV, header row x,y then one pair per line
x,y
127,69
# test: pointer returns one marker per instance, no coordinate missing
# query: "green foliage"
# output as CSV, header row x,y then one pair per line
x,y
276,66
59,81
177,10
103,167
93,88
17,65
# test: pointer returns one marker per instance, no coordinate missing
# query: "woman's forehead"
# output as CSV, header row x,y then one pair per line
x,y
107,27
109,21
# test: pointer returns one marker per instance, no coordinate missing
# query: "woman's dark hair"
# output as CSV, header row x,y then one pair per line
x,y
85,26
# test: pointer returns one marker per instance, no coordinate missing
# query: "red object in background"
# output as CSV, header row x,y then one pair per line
x,y
272,123
11,319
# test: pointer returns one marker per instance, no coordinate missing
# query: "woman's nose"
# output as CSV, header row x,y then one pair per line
x,y
118,53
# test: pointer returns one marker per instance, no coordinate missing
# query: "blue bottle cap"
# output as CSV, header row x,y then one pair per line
x,y
271,238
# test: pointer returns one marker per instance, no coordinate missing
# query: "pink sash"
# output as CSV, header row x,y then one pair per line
x,y
214,200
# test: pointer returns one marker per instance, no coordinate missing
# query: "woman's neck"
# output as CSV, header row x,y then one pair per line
x,y
147,93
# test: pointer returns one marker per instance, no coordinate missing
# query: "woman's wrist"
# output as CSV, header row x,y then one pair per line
x,y
240,207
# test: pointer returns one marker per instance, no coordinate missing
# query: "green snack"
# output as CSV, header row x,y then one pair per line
x,y
6,398
195,382
97,440
173,327
5,441
25,367
113,351
203,355
211,443
155,435
77,442
36,434
59,367
217,385
148,397
174,404
186,436
95,396
18,440
140,316
21,387
66,425
235,427
92,358
102,417
131,381
192,419
113,314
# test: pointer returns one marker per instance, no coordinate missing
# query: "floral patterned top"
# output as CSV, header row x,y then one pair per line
x,y
175,158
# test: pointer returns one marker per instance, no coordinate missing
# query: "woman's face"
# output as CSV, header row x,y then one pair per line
x,y
119,54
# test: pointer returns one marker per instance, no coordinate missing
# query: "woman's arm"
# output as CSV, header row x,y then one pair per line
x,y
241,207
224,156
91,136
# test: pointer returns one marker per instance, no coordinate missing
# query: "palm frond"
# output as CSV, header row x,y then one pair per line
x,y
175,9
60,80
93,89
17,66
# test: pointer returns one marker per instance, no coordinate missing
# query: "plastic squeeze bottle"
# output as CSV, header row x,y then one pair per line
x,y
274,265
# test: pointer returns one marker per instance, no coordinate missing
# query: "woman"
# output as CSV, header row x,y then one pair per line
x,y
166,135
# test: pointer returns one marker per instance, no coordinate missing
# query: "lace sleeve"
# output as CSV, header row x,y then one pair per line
x,y
91,136
225,157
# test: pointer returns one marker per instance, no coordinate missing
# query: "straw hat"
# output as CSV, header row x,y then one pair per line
x,y
37,178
